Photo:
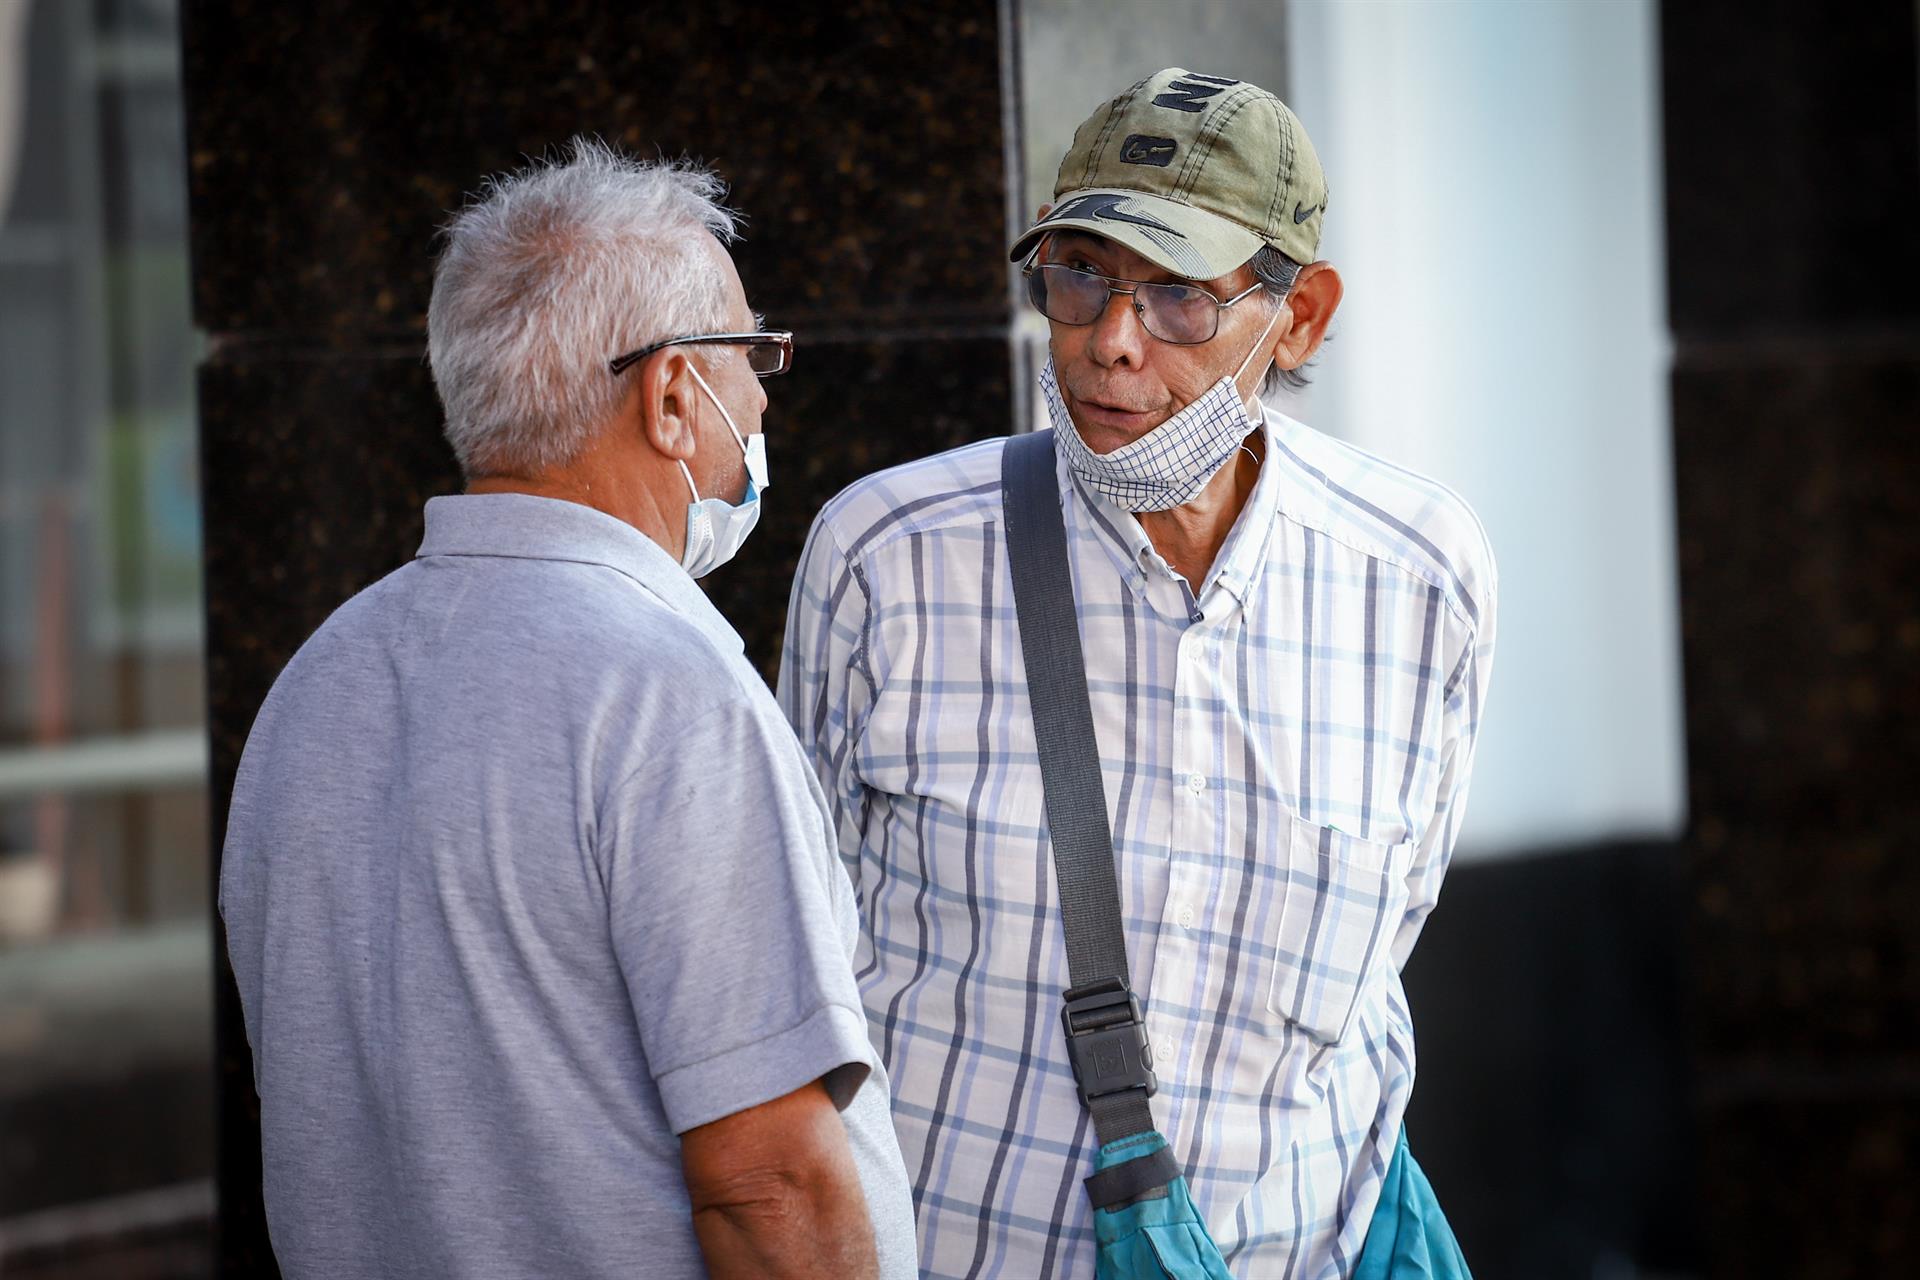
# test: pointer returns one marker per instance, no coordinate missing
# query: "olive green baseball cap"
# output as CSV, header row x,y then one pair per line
x,y
1194,173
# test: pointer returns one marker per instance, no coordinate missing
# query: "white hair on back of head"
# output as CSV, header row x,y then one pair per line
x,y
551,272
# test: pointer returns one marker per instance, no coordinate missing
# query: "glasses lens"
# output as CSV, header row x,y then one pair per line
x,y
1178,313
766,358
1069,296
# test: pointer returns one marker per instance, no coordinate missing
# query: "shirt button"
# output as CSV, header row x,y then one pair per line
x,y
1185,917
1196,783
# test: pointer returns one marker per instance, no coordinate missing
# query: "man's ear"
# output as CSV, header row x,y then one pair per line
x,y
1315,296
1045,209
666,405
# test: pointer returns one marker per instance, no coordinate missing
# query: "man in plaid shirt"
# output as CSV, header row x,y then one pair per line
x,y
1287,646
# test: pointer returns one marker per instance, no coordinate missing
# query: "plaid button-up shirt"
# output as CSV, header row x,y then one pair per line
x,y
1286,758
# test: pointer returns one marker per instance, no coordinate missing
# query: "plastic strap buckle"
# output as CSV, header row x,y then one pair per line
x,y
1107,1040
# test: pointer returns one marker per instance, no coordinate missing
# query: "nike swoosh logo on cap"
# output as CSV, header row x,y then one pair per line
x,y
1104,208
1301,215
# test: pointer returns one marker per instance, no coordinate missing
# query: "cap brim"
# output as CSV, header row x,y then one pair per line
x,y
1189,242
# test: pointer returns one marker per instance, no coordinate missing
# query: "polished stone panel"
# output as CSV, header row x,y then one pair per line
x,y
1792,139
327,142
863,140
1798,488
1815,1186
1791,132
1799,493
1799,496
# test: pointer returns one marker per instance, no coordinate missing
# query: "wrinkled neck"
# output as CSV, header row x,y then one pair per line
x,y
621,489
1189,537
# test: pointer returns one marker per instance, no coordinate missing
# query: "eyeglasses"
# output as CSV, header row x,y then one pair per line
x,y
1183,314
768,353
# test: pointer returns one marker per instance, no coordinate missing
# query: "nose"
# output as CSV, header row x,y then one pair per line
x,y
1117,336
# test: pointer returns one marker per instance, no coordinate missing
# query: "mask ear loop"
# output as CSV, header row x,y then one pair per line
x,y
1257,344
1251,352
725,417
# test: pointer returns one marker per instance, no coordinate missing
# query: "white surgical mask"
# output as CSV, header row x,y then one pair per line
x,y
716,528
1170,464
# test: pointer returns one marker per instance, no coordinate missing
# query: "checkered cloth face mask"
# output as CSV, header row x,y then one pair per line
x,y
1170,464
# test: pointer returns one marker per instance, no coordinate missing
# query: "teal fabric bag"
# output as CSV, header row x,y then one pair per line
x,y
1409,1238
1150,1239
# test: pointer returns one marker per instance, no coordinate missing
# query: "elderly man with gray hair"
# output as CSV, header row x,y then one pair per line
x,y
539,931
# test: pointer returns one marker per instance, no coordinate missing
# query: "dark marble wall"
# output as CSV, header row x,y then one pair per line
x,y
1793,173
328,141
1553,1110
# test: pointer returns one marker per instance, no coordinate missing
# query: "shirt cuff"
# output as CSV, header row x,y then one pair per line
x,y
832,1043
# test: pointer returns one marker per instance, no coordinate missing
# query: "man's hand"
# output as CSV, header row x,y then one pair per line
x,y
776,1195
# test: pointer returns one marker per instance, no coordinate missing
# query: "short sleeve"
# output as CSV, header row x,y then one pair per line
x,y
730,918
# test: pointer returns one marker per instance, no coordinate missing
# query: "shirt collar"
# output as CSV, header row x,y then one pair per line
x,y
1243,557
1238,566
523,527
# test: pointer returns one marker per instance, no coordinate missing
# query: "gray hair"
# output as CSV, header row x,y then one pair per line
x,y
1277,271
546,275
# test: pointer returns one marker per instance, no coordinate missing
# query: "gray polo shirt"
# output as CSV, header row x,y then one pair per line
x,y
524,877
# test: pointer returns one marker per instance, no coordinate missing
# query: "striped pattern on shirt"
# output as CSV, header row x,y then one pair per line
x,y
1285,756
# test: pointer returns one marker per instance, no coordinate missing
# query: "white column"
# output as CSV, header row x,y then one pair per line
x,y
1497,215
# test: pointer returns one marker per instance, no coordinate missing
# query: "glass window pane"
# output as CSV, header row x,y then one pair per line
x,y
105,1013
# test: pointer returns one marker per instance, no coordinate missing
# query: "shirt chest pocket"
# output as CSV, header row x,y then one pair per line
x,y
1342,900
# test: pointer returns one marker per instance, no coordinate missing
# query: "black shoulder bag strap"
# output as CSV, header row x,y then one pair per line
x,y
1106,1037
